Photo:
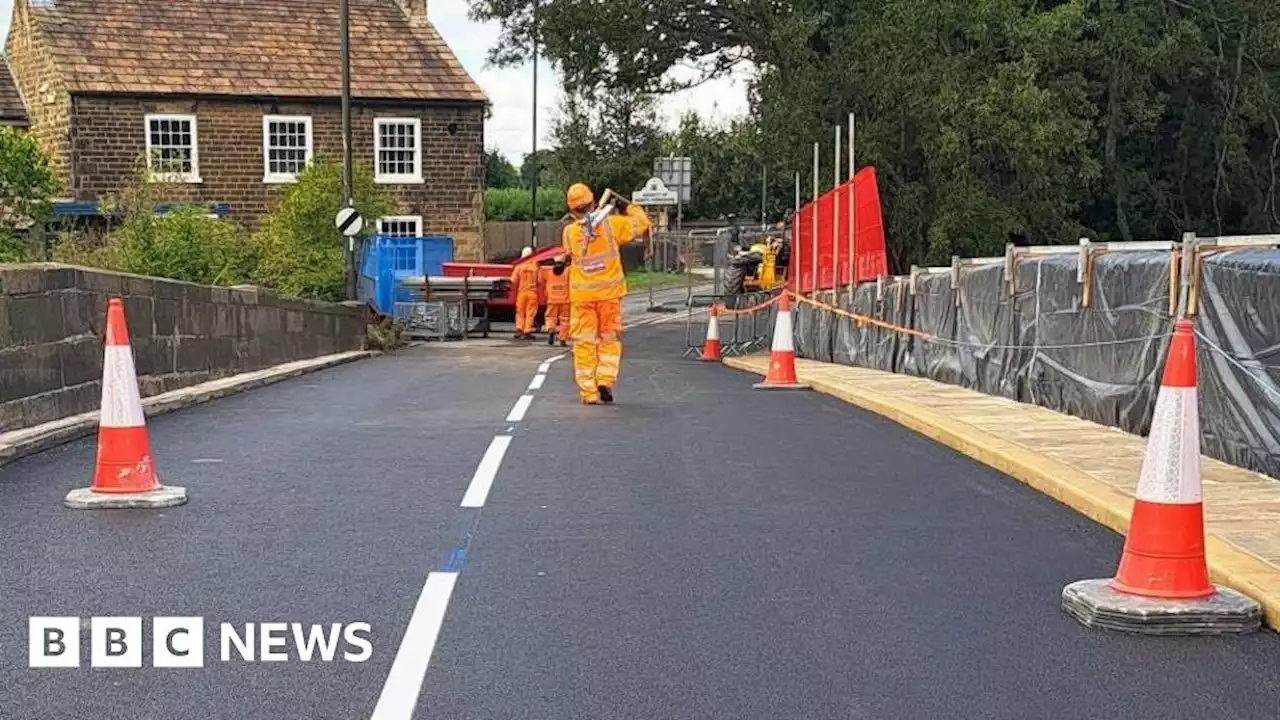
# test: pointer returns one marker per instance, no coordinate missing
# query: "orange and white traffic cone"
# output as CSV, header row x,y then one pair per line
x,y
782,356
1164,550
711,347
1162,584
125,475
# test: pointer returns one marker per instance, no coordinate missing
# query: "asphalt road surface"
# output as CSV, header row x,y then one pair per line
x,y
696,551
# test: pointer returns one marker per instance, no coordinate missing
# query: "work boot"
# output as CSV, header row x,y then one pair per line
x,y
564,343
606,395
590,400
551,339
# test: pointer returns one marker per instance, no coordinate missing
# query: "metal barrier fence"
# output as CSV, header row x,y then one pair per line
x,y
746,330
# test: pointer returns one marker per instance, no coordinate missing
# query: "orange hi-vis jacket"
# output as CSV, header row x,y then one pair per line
x,y
595,272
557,287
524,277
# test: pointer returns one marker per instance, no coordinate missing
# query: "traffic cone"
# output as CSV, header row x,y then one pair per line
x,y
782,356
125,475
1164,550
1162,584
711,348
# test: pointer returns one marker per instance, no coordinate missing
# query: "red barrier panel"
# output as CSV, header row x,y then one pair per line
x,y
834,250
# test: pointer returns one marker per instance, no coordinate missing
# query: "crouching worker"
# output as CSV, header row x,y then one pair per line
x,y
597,286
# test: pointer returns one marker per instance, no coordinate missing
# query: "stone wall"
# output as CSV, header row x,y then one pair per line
x,y
53,318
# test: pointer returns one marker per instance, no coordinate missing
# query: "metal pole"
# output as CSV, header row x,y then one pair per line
x,y
797,192
853,215
764,190
533,155
814,268
344,13
835,225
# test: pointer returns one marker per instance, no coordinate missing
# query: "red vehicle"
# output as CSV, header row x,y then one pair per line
x,y
503,307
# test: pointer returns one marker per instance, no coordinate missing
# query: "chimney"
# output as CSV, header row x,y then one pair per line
x,y
416,10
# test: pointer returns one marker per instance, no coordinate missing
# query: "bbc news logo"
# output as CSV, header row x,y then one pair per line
x,y
179,642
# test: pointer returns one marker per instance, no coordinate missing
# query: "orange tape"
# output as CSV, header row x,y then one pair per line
x,y
862,319
755,308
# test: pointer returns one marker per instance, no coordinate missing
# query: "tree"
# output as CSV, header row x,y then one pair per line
x,y
550,170
607,137
302,254
26,186
987,122
499,172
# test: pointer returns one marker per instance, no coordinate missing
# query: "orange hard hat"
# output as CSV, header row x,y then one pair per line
x,y
579,196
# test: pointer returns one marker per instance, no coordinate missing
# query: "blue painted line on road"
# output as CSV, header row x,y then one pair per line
x,y
464,530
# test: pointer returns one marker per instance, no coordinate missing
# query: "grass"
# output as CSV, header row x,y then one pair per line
x,y
643,279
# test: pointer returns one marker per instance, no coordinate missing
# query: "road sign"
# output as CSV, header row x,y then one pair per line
x,y
676,173
349,222
654,192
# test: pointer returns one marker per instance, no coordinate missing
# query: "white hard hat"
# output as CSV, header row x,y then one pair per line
x,y
526,252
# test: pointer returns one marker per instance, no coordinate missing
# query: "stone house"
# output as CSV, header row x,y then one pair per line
x,y
226,100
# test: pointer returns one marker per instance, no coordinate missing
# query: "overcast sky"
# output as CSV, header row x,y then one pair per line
x,y
511,91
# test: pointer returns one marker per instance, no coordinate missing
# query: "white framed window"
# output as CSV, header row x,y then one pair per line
x,y
286,147
400,226
397,148
173,151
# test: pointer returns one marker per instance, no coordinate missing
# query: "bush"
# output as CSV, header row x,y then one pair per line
x,y
26,182
11,249
512,204
186,243
301,253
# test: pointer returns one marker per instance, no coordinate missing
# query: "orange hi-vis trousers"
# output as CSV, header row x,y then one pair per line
x,y
558,319
526,311
596,328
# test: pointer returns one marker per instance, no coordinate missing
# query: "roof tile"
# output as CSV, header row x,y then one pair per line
x,y
280,48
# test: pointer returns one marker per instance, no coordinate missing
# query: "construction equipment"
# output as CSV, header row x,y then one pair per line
x,y
758,266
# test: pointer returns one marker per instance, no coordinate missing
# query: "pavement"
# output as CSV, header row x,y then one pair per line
x,y
1089,467
695,551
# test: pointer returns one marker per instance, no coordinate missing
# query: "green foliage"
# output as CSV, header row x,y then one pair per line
x,y
513,204
988,122
11,249
550,170
185,243
26,186
499,172
301,254
607,137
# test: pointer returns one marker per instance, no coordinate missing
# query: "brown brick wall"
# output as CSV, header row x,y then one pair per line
x,y
109,142
43,91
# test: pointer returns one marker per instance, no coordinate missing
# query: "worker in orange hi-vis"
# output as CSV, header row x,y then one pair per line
x,y
557,320
596,286
524,278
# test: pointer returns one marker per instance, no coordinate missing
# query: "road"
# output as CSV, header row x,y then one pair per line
x,y
696,551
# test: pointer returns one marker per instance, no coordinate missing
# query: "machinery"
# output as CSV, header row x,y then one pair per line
x,y
760,265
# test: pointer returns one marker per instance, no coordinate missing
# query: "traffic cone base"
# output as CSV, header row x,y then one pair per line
x,y
124,474
782,356
1161,586
1097,604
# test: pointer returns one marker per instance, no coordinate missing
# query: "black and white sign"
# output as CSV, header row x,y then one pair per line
x,y
654,193
349,222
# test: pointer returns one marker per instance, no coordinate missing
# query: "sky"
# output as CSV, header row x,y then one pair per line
x,y
511,90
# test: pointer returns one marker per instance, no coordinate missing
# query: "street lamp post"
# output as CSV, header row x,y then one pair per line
x,y
533,156
345,52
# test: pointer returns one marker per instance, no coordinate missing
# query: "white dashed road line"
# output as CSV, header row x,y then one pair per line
x,y
403,687
400,693
478,490
520,408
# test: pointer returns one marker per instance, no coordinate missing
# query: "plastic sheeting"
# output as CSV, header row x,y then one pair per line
x,y
1103,362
